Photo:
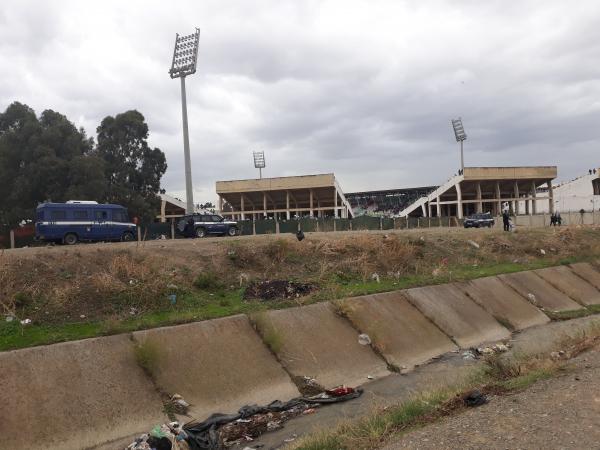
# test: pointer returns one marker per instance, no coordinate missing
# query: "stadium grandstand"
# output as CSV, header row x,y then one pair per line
x,y
387,202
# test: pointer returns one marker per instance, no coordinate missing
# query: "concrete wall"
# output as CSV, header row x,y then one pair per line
x,y
510,173
86,393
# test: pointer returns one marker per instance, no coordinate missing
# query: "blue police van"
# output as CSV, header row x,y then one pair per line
x,y
74,221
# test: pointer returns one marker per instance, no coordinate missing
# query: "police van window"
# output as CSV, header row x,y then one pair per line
x,y
58,215
101,215
119,216
80,214
216,218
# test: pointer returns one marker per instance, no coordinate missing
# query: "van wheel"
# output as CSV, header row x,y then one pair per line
x,y
70,239
127,236
200,232
232,231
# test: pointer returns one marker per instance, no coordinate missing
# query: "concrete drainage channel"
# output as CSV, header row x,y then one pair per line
x,y
94,394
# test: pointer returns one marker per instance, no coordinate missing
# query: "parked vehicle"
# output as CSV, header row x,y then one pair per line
x,y
74,221
479,220
201,225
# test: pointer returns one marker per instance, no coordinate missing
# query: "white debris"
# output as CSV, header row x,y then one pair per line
x,y
10,318
25,322
473,243
375,277
542,251
532,298
82,316
364,339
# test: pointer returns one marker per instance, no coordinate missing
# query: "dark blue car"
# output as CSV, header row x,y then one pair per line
x,y
201,225
74,221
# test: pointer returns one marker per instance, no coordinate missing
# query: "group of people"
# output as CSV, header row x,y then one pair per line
x,y
555,219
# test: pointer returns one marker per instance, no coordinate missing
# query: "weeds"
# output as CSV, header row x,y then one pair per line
x,y
267,330
147,356
208,281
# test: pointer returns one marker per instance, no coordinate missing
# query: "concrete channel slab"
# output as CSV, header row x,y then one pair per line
x,y
403,335
546,296
565,280
504,303
587,272
74,395
317,342
467,323
217,365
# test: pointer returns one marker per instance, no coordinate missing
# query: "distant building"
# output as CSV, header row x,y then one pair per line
x,y
171,208
484,189
573,196
387,202
283,197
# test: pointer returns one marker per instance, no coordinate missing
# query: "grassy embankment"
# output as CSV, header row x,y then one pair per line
x,y
100,290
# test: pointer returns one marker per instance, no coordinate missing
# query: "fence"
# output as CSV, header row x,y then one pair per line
x,y
24,236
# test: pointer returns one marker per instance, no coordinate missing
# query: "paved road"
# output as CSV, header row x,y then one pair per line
x,y
560,413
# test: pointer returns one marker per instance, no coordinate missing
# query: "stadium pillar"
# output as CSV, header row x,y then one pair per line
x,y
438,207
335,202
533,199
516,198
311,204
479,202
551,197
287,204
242,206
459,204
163,207
498,199
264,204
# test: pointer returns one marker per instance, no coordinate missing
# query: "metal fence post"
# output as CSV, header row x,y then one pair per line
x,y
12,238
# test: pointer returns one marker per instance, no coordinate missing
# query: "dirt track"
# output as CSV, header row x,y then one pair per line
x,y
562,412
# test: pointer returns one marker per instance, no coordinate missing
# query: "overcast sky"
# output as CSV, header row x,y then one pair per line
x,y
364,89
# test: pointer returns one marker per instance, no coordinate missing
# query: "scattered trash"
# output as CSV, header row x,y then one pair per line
x,y
532,298
474,398
310,411
375,277
133,311
422,239
172,298
470,355
557,355
364,339
277,289
178,405
225,430
370,377
300,235
82,316
243,279
542,251
291,439
25,322
340,391
162,437
473,243
10,318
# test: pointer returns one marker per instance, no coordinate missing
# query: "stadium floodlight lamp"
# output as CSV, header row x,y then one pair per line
x,y
459,133
259,161
185,56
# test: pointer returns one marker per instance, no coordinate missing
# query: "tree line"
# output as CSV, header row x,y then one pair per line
x,y
47,158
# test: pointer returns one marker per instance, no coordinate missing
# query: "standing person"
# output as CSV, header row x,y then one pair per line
x,y
506,220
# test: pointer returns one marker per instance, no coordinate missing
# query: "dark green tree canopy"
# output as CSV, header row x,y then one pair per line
x,y
47,158
133,170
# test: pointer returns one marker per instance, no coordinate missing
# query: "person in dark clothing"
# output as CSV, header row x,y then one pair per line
x,y
506,220
188,231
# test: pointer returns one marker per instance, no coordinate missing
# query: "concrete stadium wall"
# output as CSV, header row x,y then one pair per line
x,y
87,393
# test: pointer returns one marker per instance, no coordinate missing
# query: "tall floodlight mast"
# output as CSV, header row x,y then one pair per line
x,y
459,133
259,162
184,64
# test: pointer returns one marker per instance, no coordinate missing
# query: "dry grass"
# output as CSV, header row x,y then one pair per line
x,y
57,285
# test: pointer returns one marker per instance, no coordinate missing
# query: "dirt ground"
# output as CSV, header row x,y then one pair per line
x,y
561,412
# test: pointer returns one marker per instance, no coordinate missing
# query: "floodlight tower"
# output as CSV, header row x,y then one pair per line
x,y
259,162
184,64
459,133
